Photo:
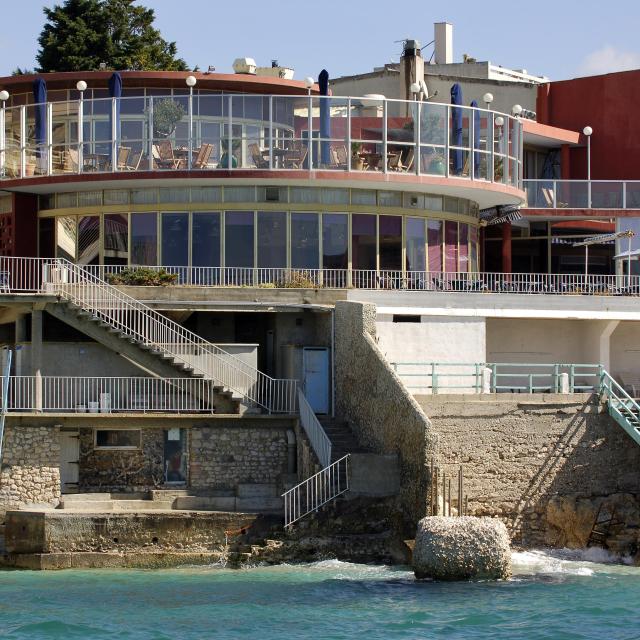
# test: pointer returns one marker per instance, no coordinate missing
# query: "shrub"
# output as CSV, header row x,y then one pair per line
x,y
296,280
142,277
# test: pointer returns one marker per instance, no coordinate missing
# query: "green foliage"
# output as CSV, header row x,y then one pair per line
x,y
140,277
81,34
166,115
296,280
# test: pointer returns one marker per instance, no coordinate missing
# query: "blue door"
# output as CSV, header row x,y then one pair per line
x,y
315,367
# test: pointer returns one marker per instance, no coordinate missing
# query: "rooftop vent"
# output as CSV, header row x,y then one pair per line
x,y
244,65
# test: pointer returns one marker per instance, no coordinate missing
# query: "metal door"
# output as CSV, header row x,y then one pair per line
x,y
315,377
69,460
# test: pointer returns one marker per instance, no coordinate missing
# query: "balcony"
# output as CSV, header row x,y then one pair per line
x,y
232,133
582,194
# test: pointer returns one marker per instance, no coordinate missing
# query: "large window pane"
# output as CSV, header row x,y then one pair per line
x,y
305,245
363,241
272,239
463,243
205,240
238,229
175,239
116,238
66,238
473,240
416,241
450,246
89,240
434,235
391,242
144,238
335,233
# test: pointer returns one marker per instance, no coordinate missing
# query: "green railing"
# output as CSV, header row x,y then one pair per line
x,y
498,377
624,409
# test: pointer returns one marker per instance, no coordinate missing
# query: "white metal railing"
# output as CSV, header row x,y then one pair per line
x,y
582,194
312,493
153,330
261,132
21,275
108,395
317,437
467,282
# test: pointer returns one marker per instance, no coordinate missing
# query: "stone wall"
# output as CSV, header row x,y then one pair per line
x,y
30,472
223,456
383,415
105,470
520,454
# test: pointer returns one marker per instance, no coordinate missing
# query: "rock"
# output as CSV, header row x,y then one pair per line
x,y
461,549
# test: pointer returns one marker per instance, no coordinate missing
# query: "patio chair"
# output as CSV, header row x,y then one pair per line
x,y
257,157
163,155
296,156
133,162
70,160
204,154
339,157
407,165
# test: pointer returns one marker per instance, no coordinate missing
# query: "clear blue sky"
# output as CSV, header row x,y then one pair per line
x,y
557,38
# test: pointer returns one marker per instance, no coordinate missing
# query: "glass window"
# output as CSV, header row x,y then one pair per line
x,y
304,195
434,237
272,239
66,200
363,241
205,240
239,194
335,234
144,196
118,438
463,243
416,242
238,230
175,239
174,194
389,199
450,246
390,242
46,238
473,240
116,238
305,241
361,196
116,196
66,238
206,194
89,198
89,240
334,196
433,203
144,238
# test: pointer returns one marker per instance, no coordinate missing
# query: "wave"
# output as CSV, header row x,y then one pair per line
x,y
579,562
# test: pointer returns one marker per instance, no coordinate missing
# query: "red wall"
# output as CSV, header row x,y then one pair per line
x,y
610,104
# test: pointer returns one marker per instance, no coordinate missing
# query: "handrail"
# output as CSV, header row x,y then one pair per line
x,y
116,394
312,493
554,193
153,330
317,436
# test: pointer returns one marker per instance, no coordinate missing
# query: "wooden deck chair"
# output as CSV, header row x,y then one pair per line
x,y
339,157
407,165
123,158
70,161
163,155
133,162
204,154
257,157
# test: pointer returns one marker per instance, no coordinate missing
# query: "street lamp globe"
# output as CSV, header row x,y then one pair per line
x,y
4,95
81,86
191,81
516,110
587,131
499,121
488,98
309,82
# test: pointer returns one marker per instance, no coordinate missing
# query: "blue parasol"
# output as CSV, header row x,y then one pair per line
x,y
325,119
456,128
115,91
40,100
476,138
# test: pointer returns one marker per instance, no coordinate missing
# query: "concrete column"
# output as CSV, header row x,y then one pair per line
x,y
605,343
506,247
36,357
20,338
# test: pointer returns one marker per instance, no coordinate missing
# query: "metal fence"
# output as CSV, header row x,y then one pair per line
x,y
582,194
317,437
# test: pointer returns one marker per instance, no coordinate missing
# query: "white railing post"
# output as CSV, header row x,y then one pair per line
x,y
23,141
114,135
49,139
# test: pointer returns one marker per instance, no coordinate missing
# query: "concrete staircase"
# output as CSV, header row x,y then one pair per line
x,y
246,498
158,362
343,441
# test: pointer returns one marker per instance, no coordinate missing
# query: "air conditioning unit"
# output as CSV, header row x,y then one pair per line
x,y
244,65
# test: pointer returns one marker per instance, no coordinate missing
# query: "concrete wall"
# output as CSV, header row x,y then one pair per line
x,y
520,453
30,472
625,348
383,415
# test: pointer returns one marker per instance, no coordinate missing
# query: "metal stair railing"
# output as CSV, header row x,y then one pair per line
x,y
318,490
318,438
624,409
144,325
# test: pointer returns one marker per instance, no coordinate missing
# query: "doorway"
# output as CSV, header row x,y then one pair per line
x,y
69,461
175,459
315,367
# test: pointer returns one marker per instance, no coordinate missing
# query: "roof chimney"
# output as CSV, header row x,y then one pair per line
x,y
443,36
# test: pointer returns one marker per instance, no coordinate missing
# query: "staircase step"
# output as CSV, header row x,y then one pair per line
x,y
85,497
255,490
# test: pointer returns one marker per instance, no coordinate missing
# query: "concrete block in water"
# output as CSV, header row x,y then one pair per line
x,y
465,548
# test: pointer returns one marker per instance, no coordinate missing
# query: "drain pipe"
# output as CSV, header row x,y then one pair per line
x,y
292,452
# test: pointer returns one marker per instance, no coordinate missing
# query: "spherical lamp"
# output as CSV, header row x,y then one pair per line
x,y
488,99
4,95
516,110
191,81
499,121
81,86
587,131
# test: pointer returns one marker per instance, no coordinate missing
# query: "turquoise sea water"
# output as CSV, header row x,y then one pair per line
x,y
549,597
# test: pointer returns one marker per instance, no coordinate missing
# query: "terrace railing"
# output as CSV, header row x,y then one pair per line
x,y
316,491
504,377
153,330
624,409
208,132
66,394
582,194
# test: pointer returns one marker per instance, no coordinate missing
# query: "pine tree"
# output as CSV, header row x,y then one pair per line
x,y
81,34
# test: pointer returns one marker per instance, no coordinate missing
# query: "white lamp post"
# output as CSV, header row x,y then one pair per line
x,y
488,99
191,82
415,90
308,83
4,96
516,110
81,86
587,132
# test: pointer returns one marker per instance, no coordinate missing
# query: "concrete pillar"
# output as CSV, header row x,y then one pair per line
x,y
605,343
506,248
20,339
36,357
564,383
486,380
